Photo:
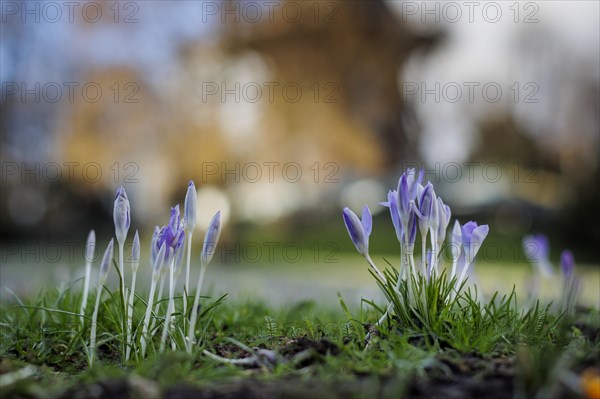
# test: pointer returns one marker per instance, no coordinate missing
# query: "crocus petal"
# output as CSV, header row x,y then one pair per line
x,y
403,197
456,241
412,223
395,213
425,201
420,189
444,214
174,220
413,182
367,221
434,220
476,240
467,230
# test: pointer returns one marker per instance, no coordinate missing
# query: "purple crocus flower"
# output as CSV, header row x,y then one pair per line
x,y
537,250
121,215
567,263
469,238
172,236
472,237
358,230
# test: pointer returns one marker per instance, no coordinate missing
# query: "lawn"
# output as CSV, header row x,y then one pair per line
x,y
398,327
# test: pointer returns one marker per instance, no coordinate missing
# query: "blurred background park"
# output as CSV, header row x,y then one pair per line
x,y
283,112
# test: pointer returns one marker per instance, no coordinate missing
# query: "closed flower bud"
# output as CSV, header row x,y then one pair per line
x,y
90,246
121,215
135,252
358,230
211,238
190,207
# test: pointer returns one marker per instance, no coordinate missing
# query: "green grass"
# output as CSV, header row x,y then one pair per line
x,y
305,349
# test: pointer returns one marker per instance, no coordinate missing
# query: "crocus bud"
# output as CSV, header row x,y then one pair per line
x,y
444,215
135,252
121,215
154,246
90,246
190,207
456,241
211,239
567,263
358,230
106,261
179,250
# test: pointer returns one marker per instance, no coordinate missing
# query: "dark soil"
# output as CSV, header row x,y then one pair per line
x,y
460,376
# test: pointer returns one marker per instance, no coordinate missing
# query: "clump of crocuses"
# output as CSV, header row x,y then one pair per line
x,y
416,210
536,248
166,258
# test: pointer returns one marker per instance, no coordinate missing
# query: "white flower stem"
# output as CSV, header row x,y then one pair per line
x,y
158,299
462,274
123,293
86,289
194,316
147,316
434,248
375,268
401,272
424,253
410,263
122,275
186,285
92,351
454,263
167,323
130,316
